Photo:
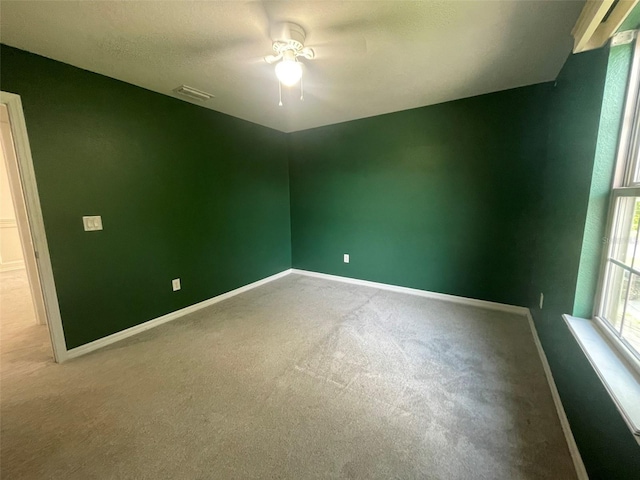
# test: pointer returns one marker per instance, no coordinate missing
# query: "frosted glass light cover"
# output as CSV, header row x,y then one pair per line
x,y
289,72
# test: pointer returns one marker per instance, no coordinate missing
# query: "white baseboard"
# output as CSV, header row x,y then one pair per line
x,y
571,443
9,266
566,428
421,293
116,337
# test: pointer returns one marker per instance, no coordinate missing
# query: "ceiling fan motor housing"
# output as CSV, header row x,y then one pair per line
x,y
287,36
287,32
288,40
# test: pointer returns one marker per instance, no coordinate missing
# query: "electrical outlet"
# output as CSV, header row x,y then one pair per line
x,y
175,284
92,223
541,300
346,258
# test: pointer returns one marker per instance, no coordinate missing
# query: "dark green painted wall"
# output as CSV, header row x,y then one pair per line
x,y
439,198
605,442
483,197
183,192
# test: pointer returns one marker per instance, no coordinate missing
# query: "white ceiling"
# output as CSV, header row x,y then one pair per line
x,y
373,57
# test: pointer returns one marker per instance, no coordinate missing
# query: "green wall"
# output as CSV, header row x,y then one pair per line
x,y
605,442
487,198
632,22
439,198
484,197
183,192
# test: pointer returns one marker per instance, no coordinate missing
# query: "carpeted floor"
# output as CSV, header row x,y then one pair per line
x,y
301,378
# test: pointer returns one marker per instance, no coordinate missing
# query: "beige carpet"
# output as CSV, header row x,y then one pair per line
x,y
301,378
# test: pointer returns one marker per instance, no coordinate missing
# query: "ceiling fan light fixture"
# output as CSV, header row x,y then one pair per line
x,y
289,70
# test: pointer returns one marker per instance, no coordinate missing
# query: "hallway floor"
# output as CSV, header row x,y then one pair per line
x,y
24,345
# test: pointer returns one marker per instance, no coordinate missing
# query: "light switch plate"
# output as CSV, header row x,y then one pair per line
x,y
92,223
346,258
175,284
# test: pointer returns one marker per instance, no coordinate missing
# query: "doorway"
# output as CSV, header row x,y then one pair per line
x,y
30,325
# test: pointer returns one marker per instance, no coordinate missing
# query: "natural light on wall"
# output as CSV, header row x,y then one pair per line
x,y
618,305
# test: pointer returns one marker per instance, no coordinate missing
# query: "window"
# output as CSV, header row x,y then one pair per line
x,y
618,306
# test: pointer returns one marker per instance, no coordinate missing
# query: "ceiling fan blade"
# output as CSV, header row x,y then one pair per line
x,y
236,47
346,47
262,17
307,53
272,58
355,26
390,17
216,49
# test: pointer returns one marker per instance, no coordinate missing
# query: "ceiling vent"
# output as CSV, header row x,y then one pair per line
x,y
193,93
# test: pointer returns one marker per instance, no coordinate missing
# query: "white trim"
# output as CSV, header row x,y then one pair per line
x,y
618,376
573,449
21,220
116,337
581,471
8,223
591,30
606,329
590,18
626,164
10,266
36,223
421,293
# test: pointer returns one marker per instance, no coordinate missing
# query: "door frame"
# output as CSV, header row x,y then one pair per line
x,y
39,246
21,220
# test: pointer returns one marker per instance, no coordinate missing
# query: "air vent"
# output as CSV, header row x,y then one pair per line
x,y
193,93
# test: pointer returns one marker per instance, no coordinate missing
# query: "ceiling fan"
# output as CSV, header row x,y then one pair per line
x,y
288,45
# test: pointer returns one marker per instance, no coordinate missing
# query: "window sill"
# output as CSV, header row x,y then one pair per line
x,y
619,378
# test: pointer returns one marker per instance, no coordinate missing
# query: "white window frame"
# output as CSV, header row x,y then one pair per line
x,y
624,185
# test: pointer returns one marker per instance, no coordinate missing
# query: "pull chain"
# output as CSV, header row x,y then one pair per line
x,y
280,92
301,90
